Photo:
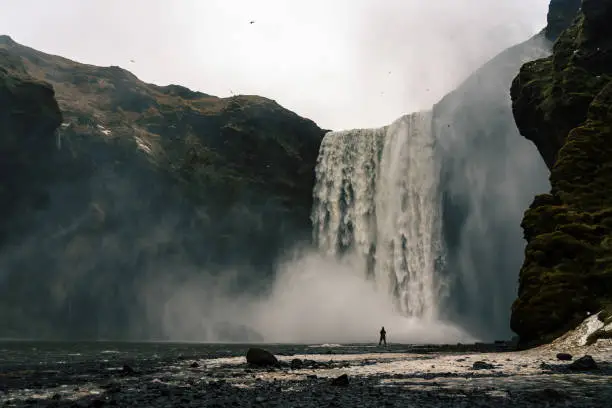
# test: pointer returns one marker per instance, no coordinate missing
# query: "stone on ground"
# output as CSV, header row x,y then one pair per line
x,y
260,357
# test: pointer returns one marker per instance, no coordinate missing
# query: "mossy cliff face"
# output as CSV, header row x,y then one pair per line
x,y
564,105
29,116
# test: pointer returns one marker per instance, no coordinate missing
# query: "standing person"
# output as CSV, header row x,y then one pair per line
x,y
383,336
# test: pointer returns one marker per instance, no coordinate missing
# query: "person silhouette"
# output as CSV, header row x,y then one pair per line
x,y
383,336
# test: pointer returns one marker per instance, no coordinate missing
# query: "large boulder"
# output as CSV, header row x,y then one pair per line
x,y
260,357
585,363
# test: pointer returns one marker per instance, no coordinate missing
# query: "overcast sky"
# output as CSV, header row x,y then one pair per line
x,y
342,63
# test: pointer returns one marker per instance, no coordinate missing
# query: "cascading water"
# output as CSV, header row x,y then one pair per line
x,y
376,196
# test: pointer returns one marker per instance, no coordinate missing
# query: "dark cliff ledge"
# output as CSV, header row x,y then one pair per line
x,y
564,105
29,116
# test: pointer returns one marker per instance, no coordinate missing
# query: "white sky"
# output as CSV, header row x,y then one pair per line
x,y
342,63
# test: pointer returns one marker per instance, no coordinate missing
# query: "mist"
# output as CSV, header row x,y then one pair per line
x,y
74,269
313,299
490,174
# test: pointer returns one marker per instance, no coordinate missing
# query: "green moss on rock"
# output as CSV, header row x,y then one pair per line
x,y
564,105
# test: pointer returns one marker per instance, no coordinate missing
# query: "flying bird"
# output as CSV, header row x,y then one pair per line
x,y
252,22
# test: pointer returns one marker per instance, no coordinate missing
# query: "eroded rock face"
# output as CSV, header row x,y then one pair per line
x,y
564,105
156,190
561,13
29,115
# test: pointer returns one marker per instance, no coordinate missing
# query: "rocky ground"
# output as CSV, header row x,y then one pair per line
x,y
574,370
388,379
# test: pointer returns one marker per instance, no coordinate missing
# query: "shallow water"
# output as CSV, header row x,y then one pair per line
x,y
14,354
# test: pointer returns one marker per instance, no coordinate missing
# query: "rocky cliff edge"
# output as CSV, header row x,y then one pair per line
x,y
29,116
564,105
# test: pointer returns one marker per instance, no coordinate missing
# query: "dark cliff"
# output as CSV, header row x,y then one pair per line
x,y
564,105
561,13
29,116
148,184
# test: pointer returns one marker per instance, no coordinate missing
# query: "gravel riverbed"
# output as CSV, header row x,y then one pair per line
x,y
434,377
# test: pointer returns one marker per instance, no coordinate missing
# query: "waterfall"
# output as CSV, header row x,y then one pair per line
x,y
376,197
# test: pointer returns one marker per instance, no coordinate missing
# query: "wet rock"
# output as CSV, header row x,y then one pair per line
x,y
341,381
547,394
564,356
296,364
96,403
481,365
260,357
309,363
194,365
111,387
127,370
584,363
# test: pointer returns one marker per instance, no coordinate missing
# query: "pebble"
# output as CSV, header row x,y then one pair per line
x,y
481,365
341,381
564,356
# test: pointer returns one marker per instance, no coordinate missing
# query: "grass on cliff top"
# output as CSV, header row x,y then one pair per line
x,y
92,90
